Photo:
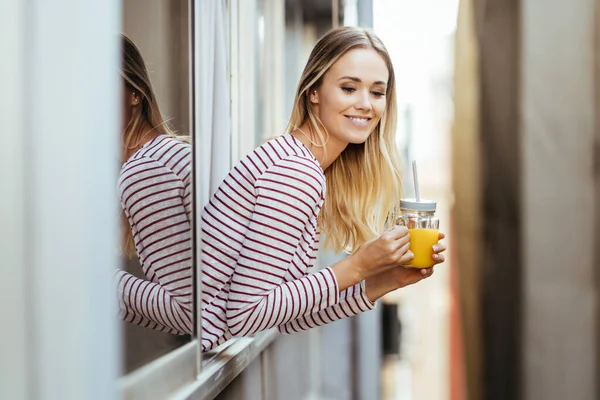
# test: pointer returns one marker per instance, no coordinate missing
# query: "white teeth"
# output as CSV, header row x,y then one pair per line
x,y
360,121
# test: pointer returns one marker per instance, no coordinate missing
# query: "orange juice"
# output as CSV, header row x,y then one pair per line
x,y
421,244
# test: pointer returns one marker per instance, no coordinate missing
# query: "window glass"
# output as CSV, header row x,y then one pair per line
x,y
155,283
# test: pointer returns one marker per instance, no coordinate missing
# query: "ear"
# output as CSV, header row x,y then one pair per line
x,y
313,95
135,98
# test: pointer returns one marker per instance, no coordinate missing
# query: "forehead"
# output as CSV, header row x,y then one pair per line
x,y
365,64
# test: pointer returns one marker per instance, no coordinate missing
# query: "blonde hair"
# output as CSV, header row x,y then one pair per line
x,y
147,113
364,183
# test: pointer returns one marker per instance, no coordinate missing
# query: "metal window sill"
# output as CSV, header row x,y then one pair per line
x,y
222,365
174,375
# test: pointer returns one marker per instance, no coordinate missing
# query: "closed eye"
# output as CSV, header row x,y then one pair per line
x,y
378,94
348,89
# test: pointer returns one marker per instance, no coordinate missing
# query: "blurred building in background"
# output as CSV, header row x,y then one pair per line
x,y
525,178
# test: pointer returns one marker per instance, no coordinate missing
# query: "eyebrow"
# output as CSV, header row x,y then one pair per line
x,y
355,79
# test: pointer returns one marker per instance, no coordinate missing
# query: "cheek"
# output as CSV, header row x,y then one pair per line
x,y
379,108
335,103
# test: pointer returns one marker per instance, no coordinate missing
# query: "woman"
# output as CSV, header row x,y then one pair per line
x,y
335,171
154,188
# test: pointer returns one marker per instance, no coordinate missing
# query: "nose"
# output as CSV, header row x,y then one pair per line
x,y
363,102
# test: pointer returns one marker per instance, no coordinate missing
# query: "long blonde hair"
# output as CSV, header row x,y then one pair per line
x,y
364,183
147,113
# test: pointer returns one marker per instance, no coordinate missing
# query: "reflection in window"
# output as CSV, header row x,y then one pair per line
x,y
154,289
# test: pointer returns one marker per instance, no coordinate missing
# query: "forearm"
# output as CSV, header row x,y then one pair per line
x,y
347,272
136,319
379,285
251,309
352,301
144,300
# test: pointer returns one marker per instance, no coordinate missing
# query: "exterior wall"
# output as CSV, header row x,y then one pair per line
x,y
559,116
537,142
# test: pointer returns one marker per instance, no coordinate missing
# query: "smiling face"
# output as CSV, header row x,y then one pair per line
x,y
352,96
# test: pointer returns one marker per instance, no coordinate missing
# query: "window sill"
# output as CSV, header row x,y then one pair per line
x,y
222,365
174,375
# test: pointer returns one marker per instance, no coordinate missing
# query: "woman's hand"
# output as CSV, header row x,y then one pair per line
x,y
373,257
388,250
400,277
438,249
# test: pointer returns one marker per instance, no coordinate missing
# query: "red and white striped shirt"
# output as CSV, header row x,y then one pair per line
x,y
259,242
155,193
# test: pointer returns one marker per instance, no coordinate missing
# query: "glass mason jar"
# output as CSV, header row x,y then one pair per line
x,y
423,227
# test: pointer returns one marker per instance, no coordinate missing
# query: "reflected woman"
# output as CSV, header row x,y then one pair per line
x,y
335,171
154,189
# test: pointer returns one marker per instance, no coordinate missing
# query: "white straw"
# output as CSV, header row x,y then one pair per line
x,y
416,180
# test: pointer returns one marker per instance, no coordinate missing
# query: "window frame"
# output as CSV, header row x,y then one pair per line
x,y
186,372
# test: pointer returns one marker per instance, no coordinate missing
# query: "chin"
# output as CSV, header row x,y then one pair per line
x,y
358,140
359,137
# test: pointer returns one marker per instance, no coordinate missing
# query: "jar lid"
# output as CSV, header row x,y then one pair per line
x,y
422,205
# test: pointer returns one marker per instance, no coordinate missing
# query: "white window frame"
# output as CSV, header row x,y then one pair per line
x,y
178,369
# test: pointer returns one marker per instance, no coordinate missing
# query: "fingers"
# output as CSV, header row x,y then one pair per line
x,y
438,258
437,250
405,255
439,247
441,236
426,272
404,239
397,232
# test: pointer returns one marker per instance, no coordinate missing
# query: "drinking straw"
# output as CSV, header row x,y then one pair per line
x,y
416,181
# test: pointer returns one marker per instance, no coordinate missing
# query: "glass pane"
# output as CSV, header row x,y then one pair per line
x,y
155,285
260,71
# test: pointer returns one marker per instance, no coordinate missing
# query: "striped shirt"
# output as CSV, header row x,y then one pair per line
x,y
155,193
259,243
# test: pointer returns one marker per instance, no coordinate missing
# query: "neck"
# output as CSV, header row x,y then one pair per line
x,y
143,135
327,154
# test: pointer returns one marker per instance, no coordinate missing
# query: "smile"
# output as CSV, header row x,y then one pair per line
x,y
359,120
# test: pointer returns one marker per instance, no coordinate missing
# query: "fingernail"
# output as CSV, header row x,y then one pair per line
x,y
436,247
435,256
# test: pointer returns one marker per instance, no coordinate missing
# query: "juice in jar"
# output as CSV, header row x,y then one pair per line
x,y
421,244
423,226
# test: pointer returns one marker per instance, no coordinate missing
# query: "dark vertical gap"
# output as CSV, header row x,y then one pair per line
x,y
180,52
501,278
192,133
596,172
354,359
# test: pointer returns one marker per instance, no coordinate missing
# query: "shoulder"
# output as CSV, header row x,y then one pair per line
x,y
292,167
295,177
170,152
144,175
162,156
164,146
286,153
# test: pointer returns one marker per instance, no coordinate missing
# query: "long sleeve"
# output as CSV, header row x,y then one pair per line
x,y
136,318
277,243
154,199
352,301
